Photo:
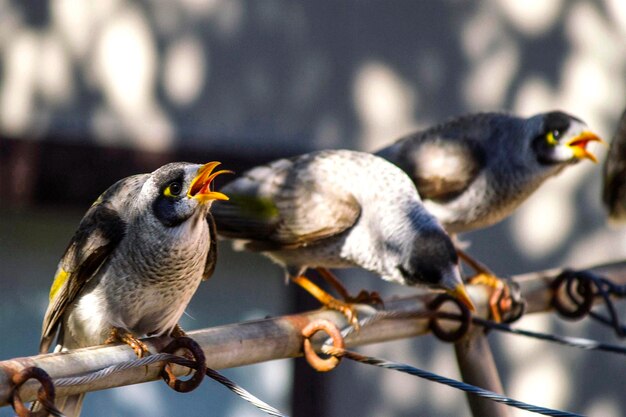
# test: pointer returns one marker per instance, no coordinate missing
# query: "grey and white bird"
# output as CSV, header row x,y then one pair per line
x,y
338,209
614,190
134,263
475,170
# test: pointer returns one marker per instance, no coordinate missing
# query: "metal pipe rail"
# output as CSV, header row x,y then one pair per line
x,y
263,340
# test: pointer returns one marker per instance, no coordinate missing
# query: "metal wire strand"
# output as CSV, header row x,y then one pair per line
x,y
168,357
577,342
245,395
407,369
605,288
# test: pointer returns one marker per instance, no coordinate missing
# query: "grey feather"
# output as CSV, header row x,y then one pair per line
x,y
283,205
614,190
97,235
475,170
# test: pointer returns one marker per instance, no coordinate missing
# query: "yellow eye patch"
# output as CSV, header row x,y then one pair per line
x,y
551,139
168,192
173,190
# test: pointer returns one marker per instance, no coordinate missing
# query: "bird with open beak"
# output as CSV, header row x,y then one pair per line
x,y
475,170
134,263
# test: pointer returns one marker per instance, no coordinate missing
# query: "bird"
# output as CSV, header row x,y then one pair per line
x,y
474,170
135,261
614,188
339,209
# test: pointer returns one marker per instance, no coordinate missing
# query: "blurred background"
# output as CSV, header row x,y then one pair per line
x,y
91,92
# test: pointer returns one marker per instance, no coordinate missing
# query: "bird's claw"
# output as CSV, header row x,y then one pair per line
x,y
178,331
367,297
347,309
500,301
120,335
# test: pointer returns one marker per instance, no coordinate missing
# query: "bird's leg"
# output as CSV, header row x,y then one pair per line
x,y
476,265
362,297
178,331
500,297
121,335
328,300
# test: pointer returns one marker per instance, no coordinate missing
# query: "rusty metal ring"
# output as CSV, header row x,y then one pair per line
x,y
199,365
518,304
45,394
465,319
316,362
583,288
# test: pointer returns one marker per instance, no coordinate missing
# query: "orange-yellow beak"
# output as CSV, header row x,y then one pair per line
x,y
579,145
200,188
460,293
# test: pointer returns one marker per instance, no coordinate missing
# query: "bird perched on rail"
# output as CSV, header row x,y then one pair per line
x,y
614,191
134,263
475,170
337,209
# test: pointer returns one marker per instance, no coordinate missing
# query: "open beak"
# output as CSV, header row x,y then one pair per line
x,y
200,188
579,145
460,293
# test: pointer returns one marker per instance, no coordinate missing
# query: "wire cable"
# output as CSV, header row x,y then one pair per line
x,y
472,389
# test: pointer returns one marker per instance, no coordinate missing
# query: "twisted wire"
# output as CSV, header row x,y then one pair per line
x,y
604,287
481,392
577,342
168,357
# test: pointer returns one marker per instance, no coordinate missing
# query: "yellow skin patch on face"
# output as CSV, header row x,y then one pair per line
x,y
168,193
550,139
59,279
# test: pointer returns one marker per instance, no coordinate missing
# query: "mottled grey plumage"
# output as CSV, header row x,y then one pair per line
x,y
475,170
614,191
335,209
135,261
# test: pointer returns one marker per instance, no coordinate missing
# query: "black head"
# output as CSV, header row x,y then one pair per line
x,y
433,258
559,138
180,189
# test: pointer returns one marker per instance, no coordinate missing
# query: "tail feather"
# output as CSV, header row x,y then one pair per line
x,y
70,406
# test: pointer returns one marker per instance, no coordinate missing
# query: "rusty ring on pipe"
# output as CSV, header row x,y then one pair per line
x,y
199,365
464,320
45,394
583,288
317,363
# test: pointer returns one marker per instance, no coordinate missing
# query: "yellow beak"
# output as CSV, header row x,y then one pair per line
x,y
579,145
200,188
460,293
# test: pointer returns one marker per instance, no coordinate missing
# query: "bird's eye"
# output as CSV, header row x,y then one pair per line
x,y
552,137
173,189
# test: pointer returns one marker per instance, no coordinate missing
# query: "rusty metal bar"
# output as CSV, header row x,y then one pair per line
x,y
262,340
478,367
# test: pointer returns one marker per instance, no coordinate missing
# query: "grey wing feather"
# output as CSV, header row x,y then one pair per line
x,y
444,160
614,191
98,234
284,205
211,260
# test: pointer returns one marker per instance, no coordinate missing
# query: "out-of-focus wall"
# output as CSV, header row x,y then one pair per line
x,y
264,79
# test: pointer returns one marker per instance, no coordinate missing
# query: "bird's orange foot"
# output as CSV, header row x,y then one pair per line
x,y
120,335
500,299
363,297
347,309
344,307
367,297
